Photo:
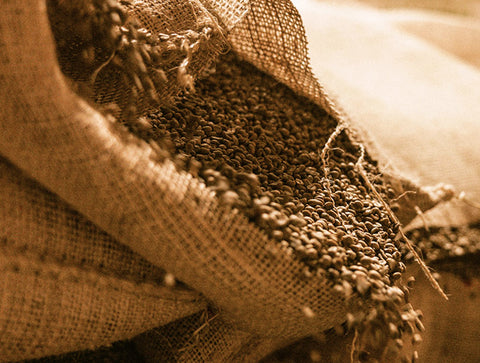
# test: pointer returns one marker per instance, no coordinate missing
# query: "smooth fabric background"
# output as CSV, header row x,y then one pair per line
x,y
409,78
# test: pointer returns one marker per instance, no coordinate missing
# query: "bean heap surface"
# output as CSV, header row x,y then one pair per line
x,y
258,145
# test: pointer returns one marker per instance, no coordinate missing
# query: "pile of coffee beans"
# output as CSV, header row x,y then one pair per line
x,y
454,250
444,243
259,146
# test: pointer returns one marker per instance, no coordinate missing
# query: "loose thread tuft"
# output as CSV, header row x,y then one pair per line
x,y
404,238
422,217
354,347
405,193
325,159
462,197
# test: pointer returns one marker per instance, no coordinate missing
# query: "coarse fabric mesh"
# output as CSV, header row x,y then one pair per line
x,y
167,17
67,283
203,337
118,352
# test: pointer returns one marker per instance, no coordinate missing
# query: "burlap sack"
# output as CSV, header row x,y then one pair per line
x,y
66,285
79,287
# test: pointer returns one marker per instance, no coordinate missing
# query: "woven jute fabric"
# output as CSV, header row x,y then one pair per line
x,y
67,283
203,337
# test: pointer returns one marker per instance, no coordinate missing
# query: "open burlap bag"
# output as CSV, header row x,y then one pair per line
x,y
68,284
